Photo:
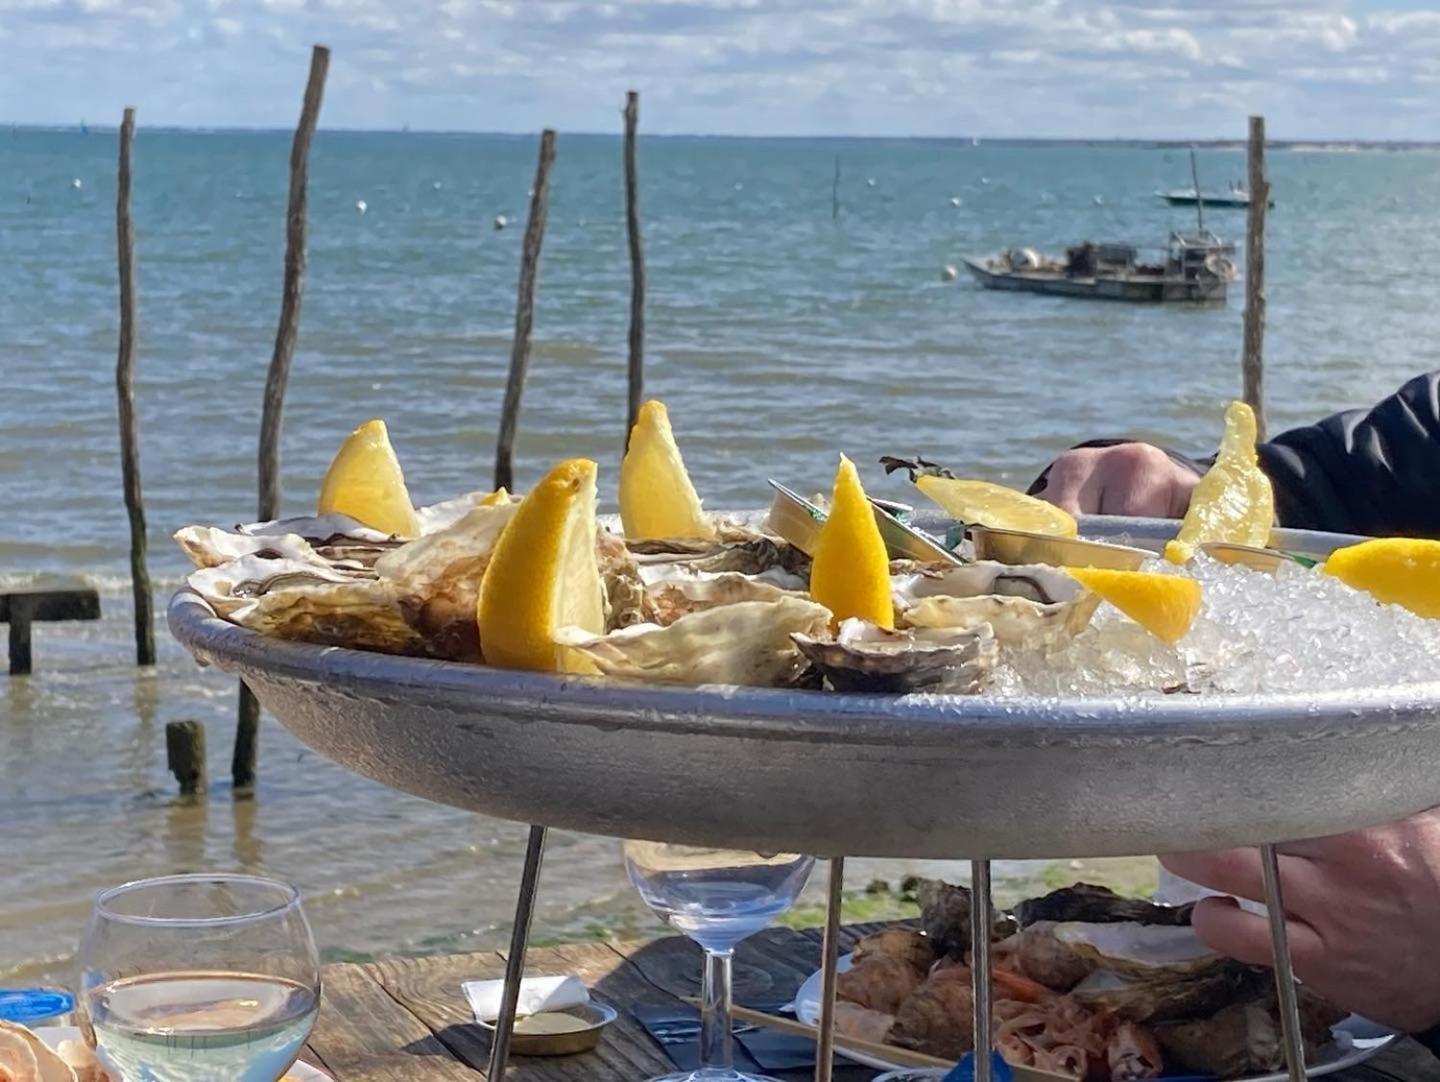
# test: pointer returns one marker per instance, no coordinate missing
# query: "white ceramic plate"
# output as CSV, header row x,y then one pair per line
x,y
301,1072
1356,1039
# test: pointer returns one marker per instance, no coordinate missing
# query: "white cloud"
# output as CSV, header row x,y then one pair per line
x,y
1057,67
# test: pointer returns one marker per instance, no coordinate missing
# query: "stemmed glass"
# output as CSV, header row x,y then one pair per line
x,y
717,897
192,978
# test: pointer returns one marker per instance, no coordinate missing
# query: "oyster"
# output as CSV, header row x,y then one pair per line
x,y
674,598
626,601
309,602
436,580
741,551
1097,905
864,657
1244,1037
909,945
1167,994
945,916
1025,605
747,643
210,547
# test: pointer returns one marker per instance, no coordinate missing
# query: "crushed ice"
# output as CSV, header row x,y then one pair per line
x,y
1292,631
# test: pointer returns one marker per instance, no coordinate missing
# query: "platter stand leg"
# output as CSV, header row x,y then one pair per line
x,y
515,960
1284,975
830,955
981,922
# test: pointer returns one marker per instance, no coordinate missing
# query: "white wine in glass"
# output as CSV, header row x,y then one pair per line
x,y
198,978
717,897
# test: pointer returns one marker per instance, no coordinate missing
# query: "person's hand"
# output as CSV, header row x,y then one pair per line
x,y
1362,909
1126,479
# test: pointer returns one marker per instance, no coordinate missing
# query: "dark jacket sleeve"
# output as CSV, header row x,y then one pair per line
x,y
1368,471
1374,471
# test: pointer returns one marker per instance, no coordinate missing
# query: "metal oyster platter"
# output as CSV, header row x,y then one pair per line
x,y
939,776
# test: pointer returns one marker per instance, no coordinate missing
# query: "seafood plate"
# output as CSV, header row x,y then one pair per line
x,y
1086,985
525,657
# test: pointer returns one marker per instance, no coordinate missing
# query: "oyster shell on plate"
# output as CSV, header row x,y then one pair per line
x,y
1097,905
738,550
865,657
626,600
945,917
1025,605
207,546
1244,1037
746,643
310,602
674,598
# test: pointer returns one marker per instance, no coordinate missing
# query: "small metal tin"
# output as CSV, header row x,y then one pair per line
x,y
1257,559
1022,547
798,521
559,1033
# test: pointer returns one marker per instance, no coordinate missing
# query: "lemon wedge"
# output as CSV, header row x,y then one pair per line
x,y
1164,605
656,496
365,482
543,575
850,575
498,498
1233,502
1397,570
981,503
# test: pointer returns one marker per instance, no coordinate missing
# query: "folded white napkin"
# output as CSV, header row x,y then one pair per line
x,y
537,994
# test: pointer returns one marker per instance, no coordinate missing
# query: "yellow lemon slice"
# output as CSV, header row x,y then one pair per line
x,y
656,496
543,575
365,482
1164,605
1233,502
850,575
498,498
980,503
1397,570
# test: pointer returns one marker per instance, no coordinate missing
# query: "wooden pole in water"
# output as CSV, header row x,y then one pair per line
x,y
835,192
1199,199
637,268
524,313
242,766
1253,360
289,326
125,396
185,754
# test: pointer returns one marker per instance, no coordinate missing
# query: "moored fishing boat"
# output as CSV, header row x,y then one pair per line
x,y
1236,197
1197,267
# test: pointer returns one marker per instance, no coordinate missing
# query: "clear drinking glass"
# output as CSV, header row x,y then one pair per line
x,y
195,978
717,897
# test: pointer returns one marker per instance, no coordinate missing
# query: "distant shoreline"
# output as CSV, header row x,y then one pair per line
x,y
1304,146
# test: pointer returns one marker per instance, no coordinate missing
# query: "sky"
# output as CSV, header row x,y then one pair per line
x,y
1365,69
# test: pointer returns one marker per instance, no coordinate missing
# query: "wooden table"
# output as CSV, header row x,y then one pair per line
x,y
406,1018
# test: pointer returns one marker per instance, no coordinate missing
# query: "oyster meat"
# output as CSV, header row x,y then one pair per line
x,y
1025,605
945,916
674,598
747,644
865,657
1097,905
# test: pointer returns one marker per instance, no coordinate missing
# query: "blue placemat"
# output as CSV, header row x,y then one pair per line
x,y
676,1029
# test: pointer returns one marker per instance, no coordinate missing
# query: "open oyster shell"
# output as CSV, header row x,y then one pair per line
x,y
207,546
310,602
1244,1037
1097,905
746,643
738,550
673,598
865,657
1026,605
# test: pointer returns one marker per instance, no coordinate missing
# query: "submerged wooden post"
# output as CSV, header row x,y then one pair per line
x,y
125,395
247,727
637,268
835,192
524,313
185,754
1253,360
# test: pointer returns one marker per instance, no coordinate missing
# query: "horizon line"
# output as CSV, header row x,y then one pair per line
x,y
1210,142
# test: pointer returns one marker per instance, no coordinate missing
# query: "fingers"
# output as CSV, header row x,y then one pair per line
x,y
1229,930
1238,872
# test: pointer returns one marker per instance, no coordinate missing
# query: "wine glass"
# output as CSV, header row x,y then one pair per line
x,y
717,897
192,978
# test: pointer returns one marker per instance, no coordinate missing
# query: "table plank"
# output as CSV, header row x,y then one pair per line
x,y
364,1035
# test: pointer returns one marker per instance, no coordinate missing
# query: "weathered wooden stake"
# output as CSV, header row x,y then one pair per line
x,y
524,313
125,394
835,193
185,753
1253,360
247,726
637,268
289,326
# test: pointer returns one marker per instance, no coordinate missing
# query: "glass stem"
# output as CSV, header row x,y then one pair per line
x,y
715,1051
